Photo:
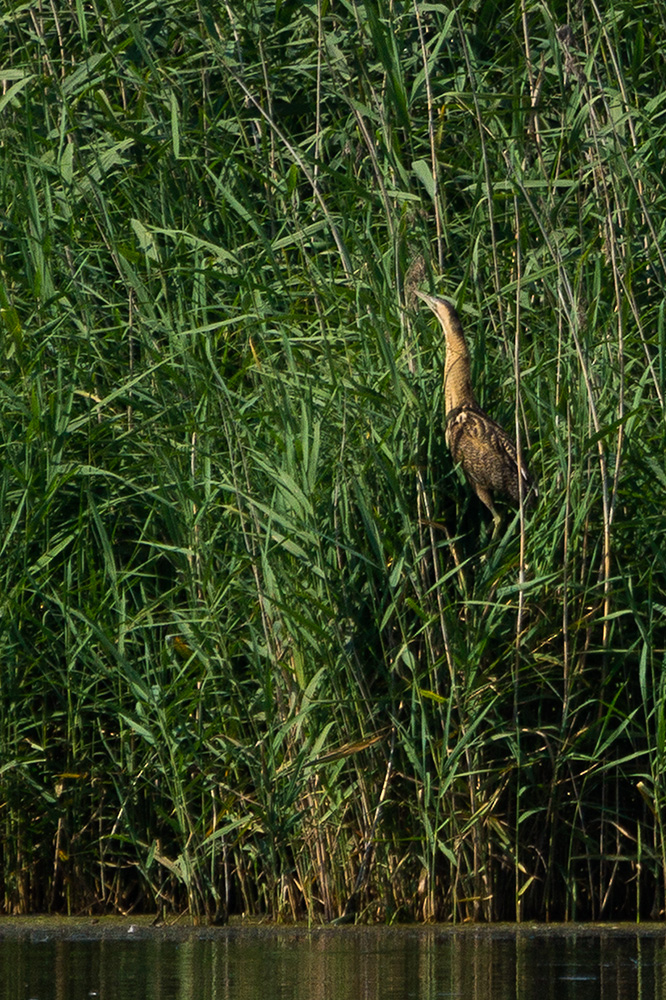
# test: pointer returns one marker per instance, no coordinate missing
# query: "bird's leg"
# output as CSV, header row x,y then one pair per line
x,y
497,522
484,496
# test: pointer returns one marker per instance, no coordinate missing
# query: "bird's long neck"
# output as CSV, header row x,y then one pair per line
x,y
457,378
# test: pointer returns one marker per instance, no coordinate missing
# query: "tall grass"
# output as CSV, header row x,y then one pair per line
x,y
259,652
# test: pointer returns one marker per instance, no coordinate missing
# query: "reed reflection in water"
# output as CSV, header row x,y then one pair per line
x,y
60,961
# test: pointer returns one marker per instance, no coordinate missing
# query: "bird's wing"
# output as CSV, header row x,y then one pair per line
x,y
484,449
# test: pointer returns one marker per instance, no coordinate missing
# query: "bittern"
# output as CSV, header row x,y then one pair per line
x,y
485,451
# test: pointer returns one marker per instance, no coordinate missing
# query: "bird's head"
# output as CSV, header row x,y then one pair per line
x,y
444,312
434,301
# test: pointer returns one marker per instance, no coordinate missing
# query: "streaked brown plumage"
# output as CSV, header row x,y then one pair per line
x,y
484,450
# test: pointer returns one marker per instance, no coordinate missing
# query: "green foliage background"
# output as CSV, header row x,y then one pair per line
x,y
258,650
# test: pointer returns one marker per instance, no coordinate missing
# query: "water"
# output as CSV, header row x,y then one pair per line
x,y
55,960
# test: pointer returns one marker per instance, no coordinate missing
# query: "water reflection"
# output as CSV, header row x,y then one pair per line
x,y
126,962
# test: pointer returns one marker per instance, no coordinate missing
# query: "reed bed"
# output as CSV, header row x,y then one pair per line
x,y
259,653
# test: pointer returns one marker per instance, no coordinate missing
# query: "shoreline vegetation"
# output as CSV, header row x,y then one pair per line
x,y
259,653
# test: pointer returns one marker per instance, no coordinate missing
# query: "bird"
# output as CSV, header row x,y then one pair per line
x,y
478,443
